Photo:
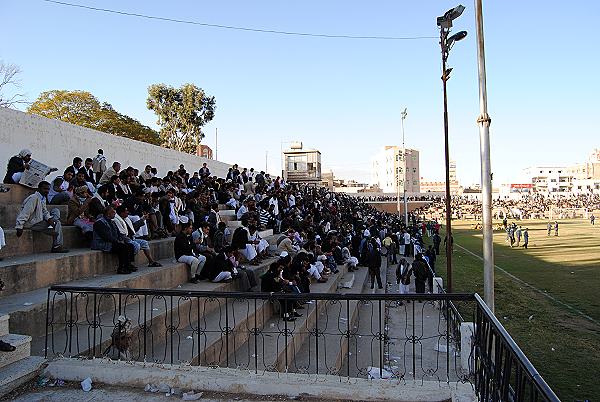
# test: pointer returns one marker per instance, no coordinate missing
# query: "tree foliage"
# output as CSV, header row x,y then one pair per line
x,y
8,78
84,109
182,112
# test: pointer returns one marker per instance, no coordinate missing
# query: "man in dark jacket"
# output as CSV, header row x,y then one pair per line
x,y
421,272
107,238
184,248
374,263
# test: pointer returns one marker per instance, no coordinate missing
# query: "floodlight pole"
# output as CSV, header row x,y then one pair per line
x,y
404,181
484,122
444,44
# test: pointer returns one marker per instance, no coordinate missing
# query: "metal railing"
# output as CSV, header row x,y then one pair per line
x,y
342,335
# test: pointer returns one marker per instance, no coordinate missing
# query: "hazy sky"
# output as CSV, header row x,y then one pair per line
x,y
342,96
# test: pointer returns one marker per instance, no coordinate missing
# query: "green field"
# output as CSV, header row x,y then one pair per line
x,y
559,340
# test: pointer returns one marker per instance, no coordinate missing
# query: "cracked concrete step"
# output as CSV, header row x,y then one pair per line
x,y
35,271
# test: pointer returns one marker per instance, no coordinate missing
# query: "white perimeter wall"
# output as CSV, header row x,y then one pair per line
x,y
56,143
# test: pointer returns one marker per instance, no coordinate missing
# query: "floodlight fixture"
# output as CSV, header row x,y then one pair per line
x,y
455,38
445,21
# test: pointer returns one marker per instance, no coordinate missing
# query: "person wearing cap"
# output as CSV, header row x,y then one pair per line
x,y
78,211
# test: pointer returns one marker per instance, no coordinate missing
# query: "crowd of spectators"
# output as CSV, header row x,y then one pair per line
x,y
121,209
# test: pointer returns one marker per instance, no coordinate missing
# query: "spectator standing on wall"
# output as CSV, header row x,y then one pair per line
x,y
99,165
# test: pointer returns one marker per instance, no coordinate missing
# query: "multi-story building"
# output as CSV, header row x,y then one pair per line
x,y
302,165
204,151
440,186
550,179
394,166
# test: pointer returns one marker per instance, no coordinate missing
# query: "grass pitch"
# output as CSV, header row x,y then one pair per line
x,y
561,337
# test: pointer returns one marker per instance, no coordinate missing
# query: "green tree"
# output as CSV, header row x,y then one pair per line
x,y
182,112
84,109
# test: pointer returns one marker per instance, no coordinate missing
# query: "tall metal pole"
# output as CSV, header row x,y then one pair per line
x,y
443,42
404,182
216,144
397,177
484,122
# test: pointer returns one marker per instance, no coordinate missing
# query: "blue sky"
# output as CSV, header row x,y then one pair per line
x,y
341,96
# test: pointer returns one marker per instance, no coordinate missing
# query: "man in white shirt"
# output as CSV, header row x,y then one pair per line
x,y
34,215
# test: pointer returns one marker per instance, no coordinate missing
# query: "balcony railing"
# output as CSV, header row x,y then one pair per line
x,y
344,335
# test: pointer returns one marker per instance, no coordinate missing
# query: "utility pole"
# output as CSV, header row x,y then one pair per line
x,y
216,144
484,122
266,161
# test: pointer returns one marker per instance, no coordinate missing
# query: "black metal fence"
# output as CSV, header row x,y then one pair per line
x,y
344,335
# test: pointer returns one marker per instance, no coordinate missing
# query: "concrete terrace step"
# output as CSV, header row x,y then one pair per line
x,y
32,242
333,321
276,351
16,374
34,271
28,310
226,212
16,194
151,314
22,343
4,324
9,212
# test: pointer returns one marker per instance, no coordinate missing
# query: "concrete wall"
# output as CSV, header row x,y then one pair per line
x,y
56,143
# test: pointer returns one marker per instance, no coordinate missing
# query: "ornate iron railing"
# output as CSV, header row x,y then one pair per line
x,y
345,335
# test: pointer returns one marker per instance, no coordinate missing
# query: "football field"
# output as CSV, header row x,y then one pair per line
x,y
547,296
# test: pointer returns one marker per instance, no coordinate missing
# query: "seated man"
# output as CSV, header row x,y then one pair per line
x,y
127,228
284,243
34,215
61,190
78,211
80,180
185,253
107,238
17,165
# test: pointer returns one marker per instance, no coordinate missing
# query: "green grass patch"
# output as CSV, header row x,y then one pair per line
x,y
563,346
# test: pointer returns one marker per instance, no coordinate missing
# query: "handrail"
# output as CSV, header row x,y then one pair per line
x,y
518,353
263,295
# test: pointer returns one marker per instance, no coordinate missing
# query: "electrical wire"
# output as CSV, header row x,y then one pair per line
x,y
237,28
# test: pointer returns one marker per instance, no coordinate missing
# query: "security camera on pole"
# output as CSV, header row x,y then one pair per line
x,y
446,43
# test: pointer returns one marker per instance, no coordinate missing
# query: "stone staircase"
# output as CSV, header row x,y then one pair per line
x,y
16,367
28,270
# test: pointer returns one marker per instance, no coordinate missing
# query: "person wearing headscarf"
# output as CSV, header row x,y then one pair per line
x,y
17,165
78,213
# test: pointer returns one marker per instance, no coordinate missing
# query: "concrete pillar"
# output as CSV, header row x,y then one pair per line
x,y
438,283
467,337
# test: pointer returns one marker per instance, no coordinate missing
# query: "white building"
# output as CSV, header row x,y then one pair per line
x,y
393,166
549,179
